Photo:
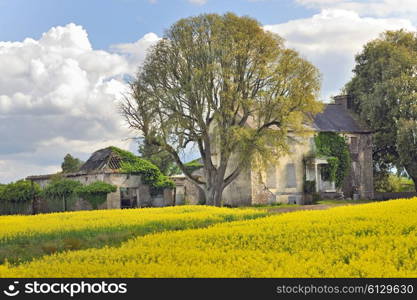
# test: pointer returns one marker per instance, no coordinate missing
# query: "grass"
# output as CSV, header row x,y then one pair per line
x,y
342,201
273,205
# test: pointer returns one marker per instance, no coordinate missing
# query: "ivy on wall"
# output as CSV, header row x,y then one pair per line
x,y
96,192
60,193
335,149
150,174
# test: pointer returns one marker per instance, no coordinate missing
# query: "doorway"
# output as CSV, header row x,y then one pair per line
x,y
128,197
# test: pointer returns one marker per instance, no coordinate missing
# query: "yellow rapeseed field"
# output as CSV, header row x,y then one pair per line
x,y
178,217
369,240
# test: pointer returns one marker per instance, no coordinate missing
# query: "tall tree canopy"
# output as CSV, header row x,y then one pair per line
x,y
71,164
384,93
224,84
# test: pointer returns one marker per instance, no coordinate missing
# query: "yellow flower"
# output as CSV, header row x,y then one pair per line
x,y
370,240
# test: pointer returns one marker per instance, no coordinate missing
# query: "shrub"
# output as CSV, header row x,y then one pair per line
x,y
60,191
309,186
394,184
16,196
96,192
150,174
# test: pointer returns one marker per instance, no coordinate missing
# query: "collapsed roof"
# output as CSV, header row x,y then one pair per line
x,y
103,159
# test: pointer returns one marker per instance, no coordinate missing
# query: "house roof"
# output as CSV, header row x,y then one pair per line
x,y
103,159
335,118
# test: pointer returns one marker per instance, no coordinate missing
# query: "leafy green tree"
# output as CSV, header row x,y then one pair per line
x,y
159,157
61,189
144,116
71,164
407,147
16,196
383,93
96,192
208,79
2,187
394,183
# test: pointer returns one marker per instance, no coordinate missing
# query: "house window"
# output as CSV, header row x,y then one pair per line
x,y
290,175
271,177
354,144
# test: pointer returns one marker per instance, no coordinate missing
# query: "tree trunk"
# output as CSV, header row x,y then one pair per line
x,y
214,186
64,203
412,172
213,194
414,178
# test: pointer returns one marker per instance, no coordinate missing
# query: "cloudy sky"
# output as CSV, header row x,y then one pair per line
x,y
63,62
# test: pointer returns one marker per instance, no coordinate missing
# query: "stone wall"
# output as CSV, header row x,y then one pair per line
x,y
283,181
238,193
186,192
144,197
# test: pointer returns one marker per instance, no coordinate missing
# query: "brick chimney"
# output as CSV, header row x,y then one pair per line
x,y
343,100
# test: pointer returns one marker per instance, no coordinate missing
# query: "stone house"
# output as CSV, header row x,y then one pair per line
x,y
284,182
104,165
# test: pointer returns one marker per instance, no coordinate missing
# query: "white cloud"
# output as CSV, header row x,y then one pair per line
x,y
370,8
58,95
332,38
198,2
136,52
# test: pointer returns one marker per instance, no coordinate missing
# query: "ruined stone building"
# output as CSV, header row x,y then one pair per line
x,y
285,182
104,165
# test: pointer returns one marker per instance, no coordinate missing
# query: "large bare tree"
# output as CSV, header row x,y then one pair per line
x,y
224,84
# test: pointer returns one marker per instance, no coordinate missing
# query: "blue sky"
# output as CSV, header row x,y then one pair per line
x,y
63,62
119,21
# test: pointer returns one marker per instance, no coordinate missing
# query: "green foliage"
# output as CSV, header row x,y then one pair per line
x,y
160,158
309,186
2,187
383,91
150,174
71,164
15,197
329,171
61,188
19,191
394,184
213,75
335,149
407,147
60,193
96,192
193,165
